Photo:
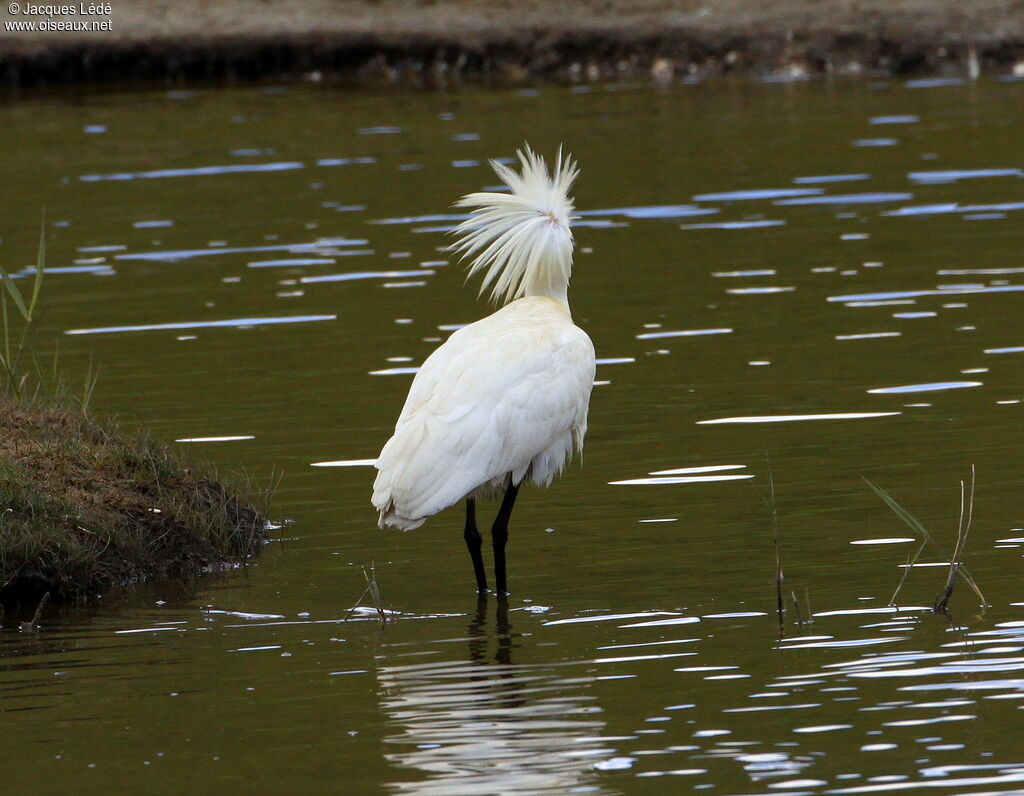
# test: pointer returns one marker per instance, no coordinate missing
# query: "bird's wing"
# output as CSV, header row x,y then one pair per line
x,y
482,406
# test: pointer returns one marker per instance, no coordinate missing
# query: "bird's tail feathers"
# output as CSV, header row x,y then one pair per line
x,y
521,240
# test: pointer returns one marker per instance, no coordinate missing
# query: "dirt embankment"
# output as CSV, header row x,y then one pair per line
x,y
426,43
84,507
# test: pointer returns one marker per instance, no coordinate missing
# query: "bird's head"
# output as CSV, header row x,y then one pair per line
x,y
522,239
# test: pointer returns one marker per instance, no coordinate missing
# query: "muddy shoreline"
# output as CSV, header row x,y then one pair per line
x,y
416,43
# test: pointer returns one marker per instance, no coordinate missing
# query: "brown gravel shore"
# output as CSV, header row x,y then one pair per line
x,y
425,42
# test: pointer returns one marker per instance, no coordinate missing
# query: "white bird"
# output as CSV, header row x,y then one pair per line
x,y
503,399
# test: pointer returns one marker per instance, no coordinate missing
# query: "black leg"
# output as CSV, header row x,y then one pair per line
x,y
499,536
474,541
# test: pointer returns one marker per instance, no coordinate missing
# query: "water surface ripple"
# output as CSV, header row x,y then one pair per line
x,y
783,304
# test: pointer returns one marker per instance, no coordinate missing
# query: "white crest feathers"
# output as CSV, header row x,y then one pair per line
x,y
521,240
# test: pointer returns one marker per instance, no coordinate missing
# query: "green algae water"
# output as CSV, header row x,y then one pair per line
x,y
791,287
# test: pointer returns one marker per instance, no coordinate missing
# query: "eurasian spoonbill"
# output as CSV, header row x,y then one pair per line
x,y
505,398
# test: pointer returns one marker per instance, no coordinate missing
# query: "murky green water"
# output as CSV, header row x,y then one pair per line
x,y
640,652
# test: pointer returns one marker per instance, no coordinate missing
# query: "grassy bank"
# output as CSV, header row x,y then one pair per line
x,y
428,43
83,506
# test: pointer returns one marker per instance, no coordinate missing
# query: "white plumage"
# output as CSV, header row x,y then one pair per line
x,y
507,394
503,399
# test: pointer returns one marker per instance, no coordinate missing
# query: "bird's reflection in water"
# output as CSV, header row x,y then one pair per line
x,y
486,725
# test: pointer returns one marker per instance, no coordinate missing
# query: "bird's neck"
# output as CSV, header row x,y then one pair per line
x,y
558,292
561,296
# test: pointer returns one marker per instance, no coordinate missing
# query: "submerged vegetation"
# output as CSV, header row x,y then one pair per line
x,y
373,590
957,570
84,505
956,566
